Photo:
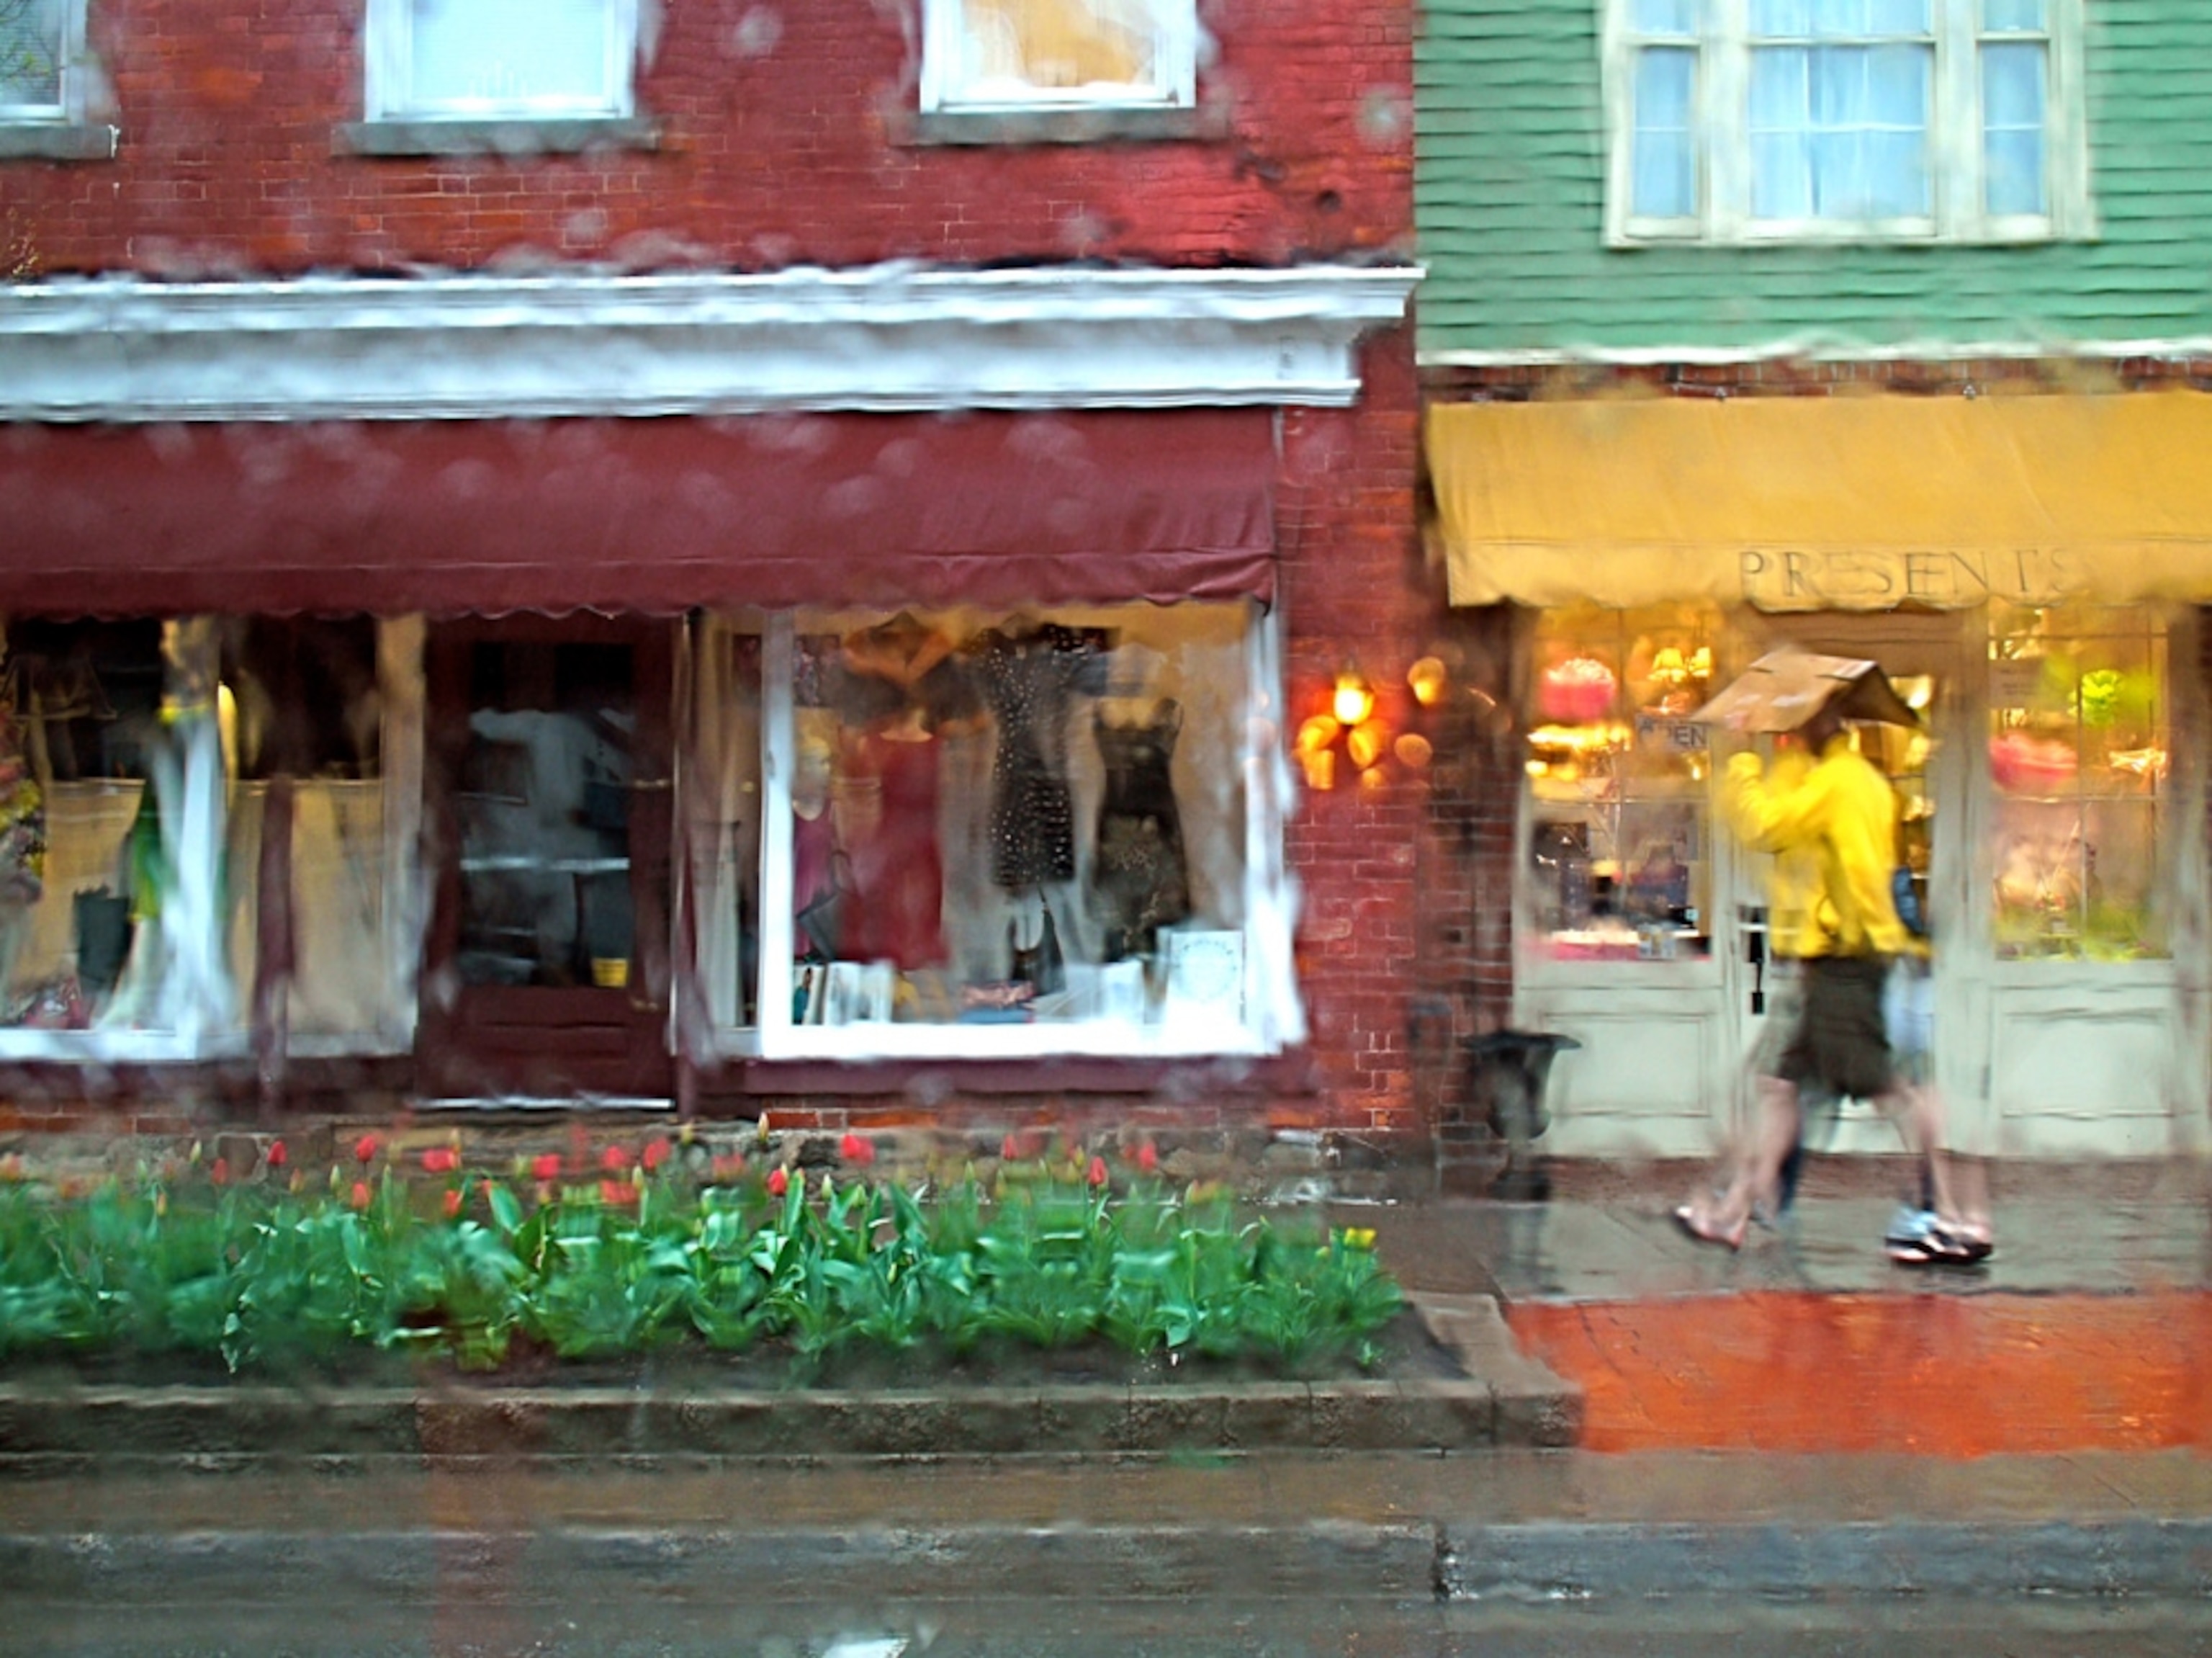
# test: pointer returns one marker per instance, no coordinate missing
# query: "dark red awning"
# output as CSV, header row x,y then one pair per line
x,y
638,514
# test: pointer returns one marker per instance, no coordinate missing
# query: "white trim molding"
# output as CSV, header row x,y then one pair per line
x,y
1819,350
885,338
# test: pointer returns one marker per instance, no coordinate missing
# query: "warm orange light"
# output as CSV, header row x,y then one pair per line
x,y
1428,678
1373,777
1365,743
1353,702
1317,734
1414,751
1320,770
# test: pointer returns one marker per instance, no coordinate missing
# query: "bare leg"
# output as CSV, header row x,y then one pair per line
x,y
1959,1188
1772,1132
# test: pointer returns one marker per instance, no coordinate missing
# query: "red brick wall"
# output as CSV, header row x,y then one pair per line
x,y
779,148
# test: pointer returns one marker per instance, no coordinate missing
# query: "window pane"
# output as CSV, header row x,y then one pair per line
x,y
1620,865
1840,132
2013,116
494,55
1785,17
1018,819
31,36
1664,17
2078,753
1011,47
84,865
1897,17
545,804
1666,177
306,705
2002,15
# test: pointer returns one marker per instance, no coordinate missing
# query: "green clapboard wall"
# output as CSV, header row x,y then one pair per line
x,y
1508,187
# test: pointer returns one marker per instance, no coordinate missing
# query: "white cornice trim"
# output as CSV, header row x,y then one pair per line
x,y
893,336
2015,350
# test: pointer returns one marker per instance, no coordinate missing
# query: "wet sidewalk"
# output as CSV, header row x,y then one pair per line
x,y
2091,1330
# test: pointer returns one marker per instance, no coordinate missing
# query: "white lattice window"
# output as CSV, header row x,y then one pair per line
x,y
500,59
41,46
1031,54
1751,120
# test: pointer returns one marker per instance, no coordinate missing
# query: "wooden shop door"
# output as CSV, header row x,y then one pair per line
x,y
547,803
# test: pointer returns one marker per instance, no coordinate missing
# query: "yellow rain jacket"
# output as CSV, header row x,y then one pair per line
x,y
1833,828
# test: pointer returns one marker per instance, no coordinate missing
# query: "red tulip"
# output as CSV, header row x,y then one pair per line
x,y
1008,1150
454,1203
277,1155
1096,1173
545,1167
1148,1158
360,1197
440,1160
655,1154
778,1181
855,1150
219,1171
616,1192
365,1148
728,1167
614,1160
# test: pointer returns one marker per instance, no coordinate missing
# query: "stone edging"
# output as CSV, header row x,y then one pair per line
x,y
1507,1399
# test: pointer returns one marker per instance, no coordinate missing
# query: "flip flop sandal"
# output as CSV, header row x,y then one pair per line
x,y
1686,1222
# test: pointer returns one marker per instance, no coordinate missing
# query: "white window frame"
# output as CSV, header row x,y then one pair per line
x,y
388,49
1176,52
1721,106
1273,1018
69,106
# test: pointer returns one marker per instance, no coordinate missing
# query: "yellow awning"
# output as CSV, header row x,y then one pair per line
x,y
1827,504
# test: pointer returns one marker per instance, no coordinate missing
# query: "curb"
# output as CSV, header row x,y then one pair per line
x,y
1508,1399
1401,1562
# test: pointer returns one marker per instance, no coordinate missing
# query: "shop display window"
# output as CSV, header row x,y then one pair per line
x,y
84,870
995,832
2079,754
304,706
1619,858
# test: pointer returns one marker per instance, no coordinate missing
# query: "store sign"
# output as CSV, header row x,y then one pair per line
x,y
1677,736
1781,578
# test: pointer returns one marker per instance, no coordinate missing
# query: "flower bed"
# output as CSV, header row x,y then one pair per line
x,y
577,1261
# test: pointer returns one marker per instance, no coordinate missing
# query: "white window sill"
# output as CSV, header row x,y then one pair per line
x,y
1068,124
515,135
1103,1039
58,141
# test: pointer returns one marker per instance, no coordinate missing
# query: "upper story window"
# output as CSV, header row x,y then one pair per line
x,y
41,42
1775,120
1059,54
500,59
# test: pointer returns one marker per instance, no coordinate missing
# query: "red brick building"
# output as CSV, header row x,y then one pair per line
x,y
716,555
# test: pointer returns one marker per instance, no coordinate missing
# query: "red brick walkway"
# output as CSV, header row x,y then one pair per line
x,y
1932,1374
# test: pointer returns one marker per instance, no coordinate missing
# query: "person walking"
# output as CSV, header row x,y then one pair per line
x,y
1841,811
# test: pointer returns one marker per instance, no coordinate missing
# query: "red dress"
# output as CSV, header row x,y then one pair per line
x,y
897,907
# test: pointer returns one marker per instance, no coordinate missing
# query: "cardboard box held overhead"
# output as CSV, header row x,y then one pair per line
x,y
1784,688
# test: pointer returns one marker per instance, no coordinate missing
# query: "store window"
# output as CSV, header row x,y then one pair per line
x,y
500,59
305,710
998,832
1032,54
2079,753
86,863
1619,854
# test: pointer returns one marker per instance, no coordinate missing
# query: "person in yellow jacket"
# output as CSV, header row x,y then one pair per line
x,y
1831,822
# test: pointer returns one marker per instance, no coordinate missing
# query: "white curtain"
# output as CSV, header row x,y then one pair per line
x,y
497,55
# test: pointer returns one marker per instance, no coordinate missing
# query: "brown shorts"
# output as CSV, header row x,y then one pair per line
x,y
1842,1045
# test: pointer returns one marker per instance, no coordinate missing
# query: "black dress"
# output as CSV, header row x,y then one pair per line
x,y
1139,884
1031,679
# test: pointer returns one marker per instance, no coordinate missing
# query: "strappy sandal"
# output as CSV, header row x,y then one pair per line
x,y
1698,1229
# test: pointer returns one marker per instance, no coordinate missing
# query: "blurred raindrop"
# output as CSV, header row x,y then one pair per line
x,y
1385,114
757,33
